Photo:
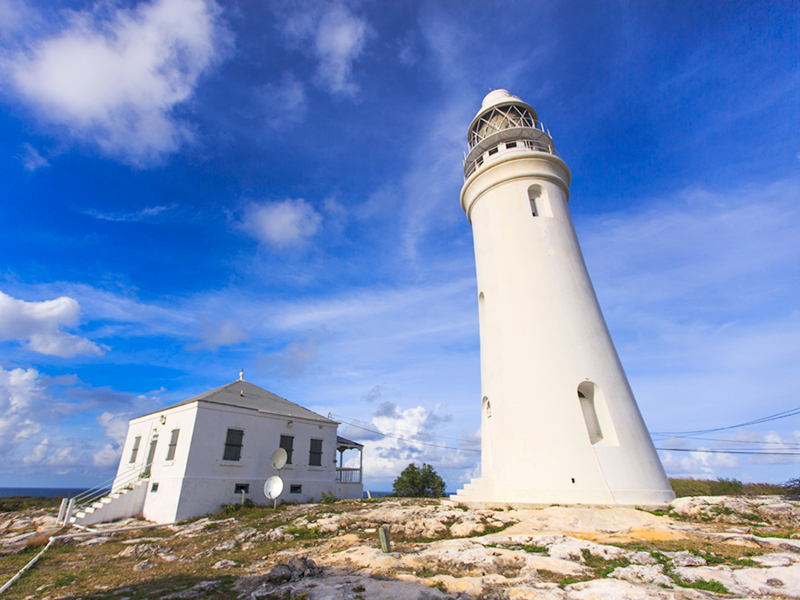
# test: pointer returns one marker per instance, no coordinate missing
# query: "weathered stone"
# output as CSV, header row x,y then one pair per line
x,y
642,558
245,534
615,589
645,573
144,565
223,564
466,529
685,559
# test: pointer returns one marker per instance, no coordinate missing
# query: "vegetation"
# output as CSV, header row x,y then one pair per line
x,y
688,486
18,503
419,483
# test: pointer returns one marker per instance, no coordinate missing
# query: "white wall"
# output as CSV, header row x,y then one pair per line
x,y
209,480
542,335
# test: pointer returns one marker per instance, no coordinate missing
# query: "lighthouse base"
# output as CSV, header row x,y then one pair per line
x,y
480,492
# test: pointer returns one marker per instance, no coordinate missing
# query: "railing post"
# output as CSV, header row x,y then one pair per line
x,y
68,514
61,511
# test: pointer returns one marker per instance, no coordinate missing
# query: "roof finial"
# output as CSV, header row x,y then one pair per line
x,y
241,374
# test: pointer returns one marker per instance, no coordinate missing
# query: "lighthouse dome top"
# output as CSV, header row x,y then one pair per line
x,y
497,97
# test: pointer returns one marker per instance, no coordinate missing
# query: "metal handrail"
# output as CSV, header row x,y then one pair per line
x,y
107,487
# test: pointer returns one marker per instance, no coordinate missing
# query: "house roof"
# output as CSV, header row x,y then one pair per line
x,y
344,442
243,394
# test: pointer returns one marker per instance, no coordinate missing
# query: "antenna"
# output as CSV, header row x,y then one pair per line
x,y
273,488
278,459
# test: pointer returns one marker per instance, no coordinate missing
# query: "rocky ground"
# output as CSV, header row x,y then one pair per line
x,y
702,547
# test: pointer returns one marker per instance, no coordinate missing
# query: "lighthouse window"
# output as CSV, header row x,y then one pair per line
x,y
511,145
479,161
493,151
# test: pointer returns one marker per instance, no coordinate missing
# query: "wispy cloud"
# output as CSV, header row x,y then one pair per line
x,y
115,82
285,102
31,159
144,214
39,326
334,35
215,334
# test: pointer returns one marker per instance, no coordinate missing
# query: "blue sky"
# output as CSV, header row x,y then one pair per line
x,y
190,187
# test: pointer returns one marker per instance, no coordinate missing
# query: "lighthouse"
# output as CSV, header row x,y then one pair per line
x,y
559,422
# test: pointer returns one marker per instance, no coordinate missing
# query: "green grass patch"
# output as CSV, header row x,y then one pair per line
x,y
702,584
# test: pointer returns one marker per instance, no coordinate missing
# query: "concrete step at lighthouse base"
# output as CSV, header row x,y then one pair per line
x,y
480,489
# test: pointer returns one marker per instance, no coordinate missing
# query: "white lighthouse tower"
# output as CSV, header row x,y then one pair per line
x,y
559,422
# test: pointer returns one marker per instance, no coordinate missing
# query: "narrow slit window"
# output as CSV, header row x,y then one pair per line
x,y
136,441
233,445
315,454
173,444
586,398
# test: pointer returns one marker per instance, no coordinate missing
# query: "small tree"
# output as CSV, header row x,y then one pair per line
x,y
419,483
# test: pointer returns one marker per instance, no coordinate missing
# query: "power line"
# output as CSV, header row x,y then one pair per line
x,y
784,445
781,415
731,451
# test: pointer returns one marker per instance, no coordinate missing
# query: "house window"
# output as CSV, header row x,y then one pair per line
x,y
295,489
136,441
233,445
241,487
287,443
151,453
154,487
173,443
315,454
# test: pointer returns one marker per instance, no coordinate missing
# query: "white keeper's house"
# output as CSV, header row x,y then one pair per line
x,y
190,458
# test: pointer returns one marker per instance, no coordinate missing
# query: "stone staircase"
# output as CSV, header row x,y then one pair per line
x,y
127,502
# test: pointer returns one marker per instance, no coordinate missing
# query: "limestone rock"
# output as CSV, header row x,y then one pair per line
x,y
223,564
615,589
144,565
642,558
646,573
466,529
685,559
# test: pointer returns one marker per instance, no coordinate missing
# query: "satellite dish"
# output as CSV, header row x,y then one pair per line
x,y
273,487
278,458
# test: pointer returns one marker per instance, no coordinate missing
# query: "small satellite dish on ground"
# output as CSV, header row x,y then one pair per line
x,y
278,458
273,487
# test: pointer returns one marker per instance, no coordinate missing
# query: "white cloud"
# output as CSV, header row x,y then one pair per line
x,y
22,397
31,159
281,224
409,436
39,325
337,38
114,83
